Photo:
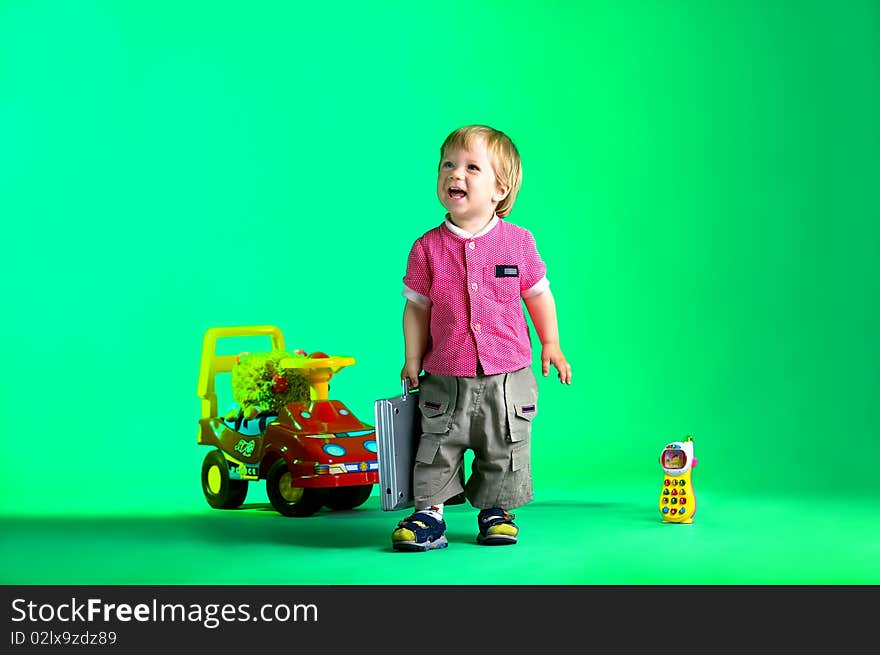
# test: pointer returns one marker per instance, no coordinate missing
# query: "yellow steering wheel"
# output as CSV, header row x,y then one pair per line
x,y
318,370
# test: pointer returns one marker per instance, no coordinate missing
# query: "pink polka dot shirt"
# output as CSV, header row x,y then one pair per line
x,y
473,284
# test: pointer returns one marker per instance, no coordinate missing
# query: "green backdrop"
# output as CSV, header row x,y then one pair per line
x,y
700,177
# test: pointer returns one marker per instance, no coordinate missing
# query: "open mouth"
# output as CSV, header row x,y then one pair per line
x,y
455,193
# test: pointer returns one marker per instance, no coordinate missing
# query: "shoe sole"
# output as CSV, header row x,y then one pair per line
x,y
496,540
415,547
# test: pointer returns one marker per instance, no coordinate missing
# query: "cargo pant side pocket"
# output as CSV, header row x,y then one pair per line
x,y
521,397
437,397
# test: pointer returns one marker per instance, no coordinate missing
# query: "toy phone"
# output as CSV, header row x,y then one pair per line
x,y
678,503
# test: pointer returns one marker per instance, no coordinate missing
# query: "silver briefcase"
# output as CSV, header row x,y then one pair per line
x,y
398,429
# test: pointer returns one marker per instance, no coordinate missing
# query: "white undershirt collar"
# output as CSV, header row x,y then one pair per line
x,y
452,227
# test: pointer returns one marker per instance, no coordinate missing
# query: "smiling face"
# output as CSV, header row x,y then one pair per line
x,y
466,183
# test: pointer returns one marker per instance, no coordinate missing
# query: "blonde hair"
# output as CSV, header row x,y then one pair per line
x,y
502,153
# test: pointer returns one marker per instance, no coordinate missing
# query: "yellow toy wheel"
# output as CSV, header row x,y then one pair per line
x,y
286,497
219,490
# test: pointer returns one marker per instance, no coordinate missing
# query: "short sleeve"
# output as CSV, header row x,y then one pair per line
x,y
532,270
418,276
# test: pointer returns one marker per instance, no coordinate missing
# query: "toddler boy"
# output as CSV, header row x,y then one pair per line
x,y
464,325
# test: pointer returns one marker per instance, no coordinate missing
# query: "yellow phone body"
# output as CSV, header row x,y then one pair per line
x,y
678,502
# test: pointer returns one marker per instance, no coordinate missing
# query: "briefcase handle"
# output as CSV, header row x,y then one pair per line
x,y
406,390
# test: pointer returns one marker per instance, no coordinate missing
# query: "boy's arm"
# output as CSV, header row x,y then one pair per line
x,y
542,309
416,325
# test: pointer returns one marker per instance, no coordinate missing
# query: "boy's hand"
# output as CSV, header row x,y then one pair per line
x,y
411,370
552,354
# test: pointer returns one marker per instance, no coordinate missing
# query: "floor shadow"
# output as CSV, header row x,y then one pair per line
x,y
258,523
248,525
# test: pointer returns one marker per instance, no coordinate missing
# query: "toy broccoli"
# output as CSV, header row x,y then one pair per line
x,y
259,384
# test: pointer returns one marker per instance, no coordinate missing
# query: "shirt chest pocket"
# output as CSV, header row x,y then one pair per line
x,y
501,283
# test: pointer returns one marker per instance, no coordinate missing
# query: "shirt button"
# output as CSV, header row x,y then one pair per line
x,y
477,327
471,245
474,286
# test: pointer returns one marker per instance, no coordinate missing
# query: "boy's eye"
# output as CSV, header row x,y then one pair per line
x,y
473,167
446,164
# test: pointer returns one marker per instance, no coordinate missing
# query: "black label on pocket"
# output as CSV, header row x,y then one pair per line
x,y
506,270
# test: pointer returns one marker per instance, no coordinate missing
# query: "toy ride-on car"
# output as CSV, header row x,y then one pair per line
x,y
311,453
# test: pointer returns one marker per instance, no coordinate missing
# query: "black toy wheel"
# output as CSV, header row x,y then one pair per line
x,y
219,490
342,498
287,498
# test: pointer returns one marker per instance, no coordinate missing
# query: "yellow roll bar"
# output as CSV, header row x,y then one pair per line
x,y
212,363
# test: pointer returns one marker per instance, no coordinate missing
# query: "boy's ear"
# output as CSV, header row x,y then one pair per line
x,y
501,193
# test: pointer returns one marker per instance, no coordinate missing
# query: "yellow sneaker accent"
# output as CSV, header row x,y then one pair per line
x,y
402,534
503,528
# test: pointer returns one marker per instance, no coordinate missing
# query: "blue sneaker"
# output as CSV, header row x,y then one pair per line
x,y
496,527
419,532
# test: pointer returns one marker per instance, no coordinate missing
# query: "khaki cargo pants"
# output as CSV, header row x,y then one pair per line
x,y
490,415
